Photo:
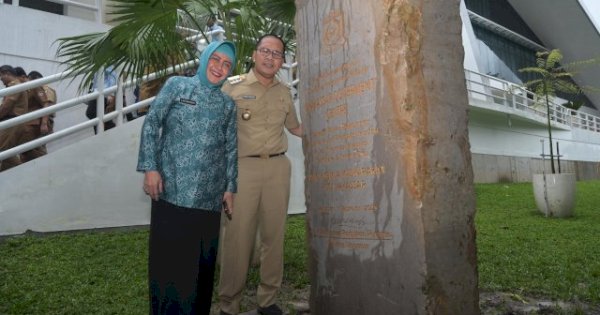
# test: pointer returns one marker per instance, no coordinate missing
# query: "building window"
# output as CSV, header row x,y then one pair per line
x,y
501,12
41,5
503,58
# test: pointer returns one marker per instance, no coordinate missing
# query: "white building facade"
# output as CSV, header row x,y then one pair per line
x,y
89,181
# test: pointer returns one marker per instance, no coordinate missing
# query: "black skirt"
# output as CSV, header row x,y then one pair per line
x,y
181,264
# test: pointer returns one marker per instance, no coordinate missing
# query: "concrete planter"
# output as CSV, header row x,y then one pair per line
x,y
555,197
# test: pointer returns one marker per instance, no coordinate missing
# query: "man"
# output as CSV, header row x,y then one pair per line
x,y
39,98
151,88
12,106
265,107
21,74
216,31
110,79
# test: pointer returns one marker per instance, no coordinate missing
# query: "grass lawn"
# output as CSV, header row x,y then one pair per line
x,y
521,251
104,272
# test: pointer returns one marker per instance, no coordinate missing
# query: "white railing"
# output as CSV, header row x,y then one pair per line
x,y
98,94
481,88
490,92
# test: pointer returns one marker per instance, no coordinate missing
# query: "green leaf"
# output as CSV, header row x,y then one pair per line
x,y
146,37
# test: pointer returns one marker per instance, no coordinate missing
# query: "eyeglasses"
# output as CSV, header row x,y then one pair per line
x,y
224,65
265,52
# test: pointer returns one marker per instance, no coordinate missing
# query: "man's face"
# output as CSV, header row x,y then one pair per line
x,y
268,57
5,77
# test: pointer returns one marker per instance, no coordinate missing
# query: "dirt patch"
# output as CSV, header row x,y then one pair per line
x,y
296,302
502,303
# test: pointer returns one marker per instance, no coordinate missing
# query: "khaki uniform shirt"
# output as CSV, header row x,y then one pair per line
x,y
37,100
51,96
270,109
15,104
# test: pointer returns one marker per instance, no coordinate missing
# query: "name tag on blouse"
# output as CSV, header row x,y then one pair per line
x,y
187,101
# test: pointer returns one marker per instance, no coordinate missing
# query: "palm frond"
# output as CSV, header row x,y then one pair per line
x,y
540,71
283,11
553,59
533,83
567,87
279,15
144,38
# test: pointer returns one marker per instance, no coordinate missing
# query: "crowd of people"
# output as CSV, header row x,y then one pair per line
x,y
40,97
19,104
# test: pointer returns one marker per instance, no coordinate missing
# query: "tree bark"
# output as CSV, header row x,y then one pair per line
x,y
390,199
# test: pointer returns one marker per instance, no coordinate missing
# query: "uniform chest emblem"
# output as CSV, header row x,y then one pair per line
x,y
246,115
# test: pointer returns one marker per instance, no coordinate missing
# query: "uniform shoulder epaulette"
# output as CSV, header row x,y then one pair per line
x,y
236,79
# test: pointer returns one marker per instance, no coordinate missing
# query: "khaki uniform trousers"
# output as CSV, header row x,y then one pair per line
x,y
260,205
9,138
30,133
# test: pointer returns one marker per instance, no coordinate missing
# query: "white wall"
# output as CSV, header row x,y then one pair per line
x,y
93,184
29,40
90,184
495,133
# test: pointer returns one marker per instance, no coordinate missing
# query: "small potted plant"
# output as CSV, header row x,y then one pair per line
x,y
554,192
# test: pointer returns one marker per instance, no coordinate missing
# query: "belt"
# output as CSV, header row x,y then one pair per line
x,y
266,156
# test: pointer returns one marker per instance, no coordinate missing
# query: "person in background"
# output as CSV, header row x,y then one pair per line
x,y
11,107
21,74
217,32
50,95
110,79
149,89
188,153
33,129
265,108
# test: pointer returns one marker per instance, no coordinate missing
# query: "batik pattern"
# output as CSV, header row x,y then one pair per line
x,y
190,137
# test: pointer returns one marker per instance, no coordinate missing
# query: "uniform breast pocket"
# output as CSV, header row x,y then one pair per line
x,y
278,113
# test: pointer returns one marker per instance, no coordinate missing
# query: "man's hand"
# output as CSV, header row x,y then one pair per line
x,y
298,131
153,184
44,129
110,104
228,204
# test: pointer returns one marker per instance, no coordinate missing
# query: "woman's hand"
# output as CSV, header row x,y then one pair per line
x,y
153,184
228,204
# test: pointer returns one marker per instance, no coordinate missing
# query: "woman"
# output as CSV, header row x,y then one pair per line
x,y
188,152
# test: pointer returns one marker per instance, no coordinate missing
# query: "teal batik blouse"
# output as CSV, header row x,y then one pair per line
x,y
190,137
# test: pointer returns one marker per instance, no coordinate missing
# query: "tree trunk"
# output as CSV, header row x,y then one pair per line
x,y
389,186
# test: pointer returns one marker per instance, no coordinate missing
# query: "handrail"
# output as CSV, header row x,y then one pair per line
x,y
490,90
98,94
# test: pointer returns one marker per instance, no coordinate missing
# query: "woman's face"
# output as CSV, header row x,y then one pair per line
x,y
219,66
